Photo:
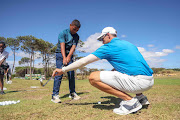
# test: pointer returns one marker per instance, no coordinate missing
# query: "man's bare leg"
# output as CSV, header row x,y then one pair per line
x,y
138,94
94,79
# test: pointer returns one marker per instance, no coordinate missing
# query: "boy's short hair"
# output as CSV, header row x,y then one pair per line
x,y
1,42
76,23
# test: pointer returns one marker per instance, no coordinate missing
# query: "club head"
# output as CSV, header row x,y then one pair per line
x,y
41,83
72,95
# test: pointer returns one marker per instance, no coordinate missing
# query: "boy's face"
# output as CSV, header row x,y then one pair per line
x,y
73,29
2,47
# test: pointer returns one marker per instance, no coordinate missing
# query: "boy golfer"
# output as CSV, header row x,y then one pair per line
x,y
67,42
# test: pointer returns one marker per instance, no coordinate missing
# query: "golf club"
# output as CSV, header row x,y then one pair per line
x,y
41,81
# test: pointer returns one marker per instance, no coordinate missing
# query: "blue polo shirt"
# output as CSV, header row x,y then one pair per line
x,y
69,40
124,57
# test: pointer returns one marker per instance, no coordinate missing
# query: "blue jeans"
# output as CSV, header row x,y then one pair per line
x,y
57,79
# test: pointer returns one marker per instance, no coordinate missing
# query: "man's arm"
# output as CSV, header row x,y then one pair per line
x,y
63,53
2,61
75,65
71,53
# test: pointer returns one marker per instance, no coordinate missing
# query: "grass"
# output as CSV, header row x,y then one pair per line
x,y
36,105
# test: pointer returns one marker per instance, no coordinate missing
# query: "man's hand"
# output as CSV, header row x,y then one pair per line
x,y
57,72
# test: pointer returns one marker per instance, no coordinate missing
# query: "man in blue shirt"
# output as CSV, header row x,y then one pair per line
x,y
132,74
67,42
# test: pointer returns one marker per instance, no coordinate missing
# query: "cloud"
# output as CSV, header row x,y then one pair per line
x,y
123,36
22,54
101,64
91,44
177,46
154,58
10,62
19,54
150,45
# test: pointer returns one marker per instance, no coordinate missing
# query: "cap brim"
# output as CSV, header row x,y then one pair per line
x,y
99,38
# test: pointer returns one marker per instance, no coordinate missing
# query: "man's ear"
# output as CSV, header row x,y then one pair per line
x,y
108,35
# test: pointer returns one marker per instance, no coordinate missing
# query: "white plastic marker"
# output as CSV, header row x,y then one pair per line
x,y
8,102
4,88
34,86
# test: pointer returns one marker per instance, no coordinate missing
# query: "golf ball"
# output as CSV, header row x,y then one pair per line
x,y
99,102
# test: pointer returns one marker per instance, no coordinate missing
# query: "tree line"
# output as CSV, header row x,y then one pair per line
x,y
164,70
31,45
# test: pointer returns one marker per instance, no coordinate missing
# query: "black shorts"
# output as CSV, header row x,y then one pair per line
x,y
1,70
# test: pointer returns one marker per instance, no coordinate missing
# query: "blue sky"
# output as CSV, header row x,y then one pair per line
x,y
152,25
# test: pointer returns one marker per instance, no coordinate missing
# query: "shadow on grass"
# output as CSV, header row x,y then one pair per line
x,y
104,104
67,95
19,91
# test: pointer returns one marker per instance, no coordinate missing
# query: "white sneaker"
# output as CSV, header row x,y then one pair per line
x,y
143,100
74,96
56,99
127,107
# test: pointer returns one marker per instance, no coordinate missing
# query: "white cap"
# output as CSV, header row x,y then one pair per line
x,y
106,30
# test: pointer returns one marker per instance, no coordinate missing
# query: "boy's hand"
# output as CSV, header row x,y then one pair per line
x,y
65,61
57,72
68,59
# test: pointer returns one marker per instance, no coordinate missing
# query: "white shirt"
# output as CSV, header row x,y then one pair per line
x,y
3,55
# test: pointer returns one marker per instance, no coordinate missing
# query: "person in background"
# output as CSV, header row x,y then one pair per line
x,y
3,57
8,74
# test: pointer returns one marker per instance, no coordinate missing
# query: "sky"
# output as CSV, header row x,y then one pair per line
x,y
152,25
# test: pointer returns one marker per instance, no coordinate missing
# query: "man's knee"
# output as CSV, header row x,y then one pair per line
x,y
94,77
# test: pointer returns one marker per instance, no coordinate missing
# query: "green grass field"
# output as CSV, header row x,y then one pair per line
x,y
36,102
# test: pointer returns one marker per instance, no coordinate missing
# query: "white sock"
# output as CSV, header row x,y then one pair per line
x,y
140,96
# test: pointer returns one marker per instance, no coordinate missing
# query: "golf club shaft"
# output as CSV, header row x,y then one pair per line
x,y
48,81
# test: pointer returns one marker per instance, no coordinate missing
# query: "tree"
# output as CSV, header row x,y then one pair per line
x,y
29,45
3,39
14,44
46,50
83,71
48,57
93,70
76,57
157,70
20,71
24,60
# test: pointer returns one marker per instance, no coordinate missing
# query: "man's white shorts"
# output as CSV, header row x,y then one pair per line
x,y
126,83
